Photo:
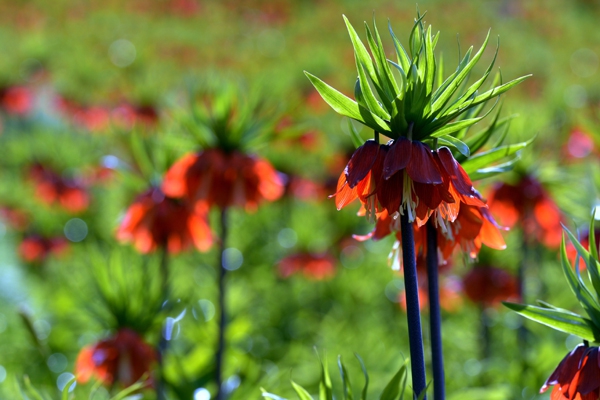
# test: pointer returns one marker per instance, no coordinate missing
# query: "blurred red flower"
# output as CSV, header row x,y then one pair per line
x,y
489,286
156,221
36,248
123,358
304,189
312,266
529,204
127,115
576,377
223,179
450,295
51,188
15,218
17,100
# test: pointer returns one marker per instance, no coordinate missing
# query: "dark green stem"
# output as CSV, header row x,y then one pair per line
x,y
413,314
435,317
222,308
163,343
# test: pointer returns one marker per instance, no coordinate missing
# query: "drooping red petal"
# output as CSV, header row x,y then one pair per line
x,y
460,179
344,195
422,167
589,379
174,183
389,192
398,157
361,162
566,369
429,194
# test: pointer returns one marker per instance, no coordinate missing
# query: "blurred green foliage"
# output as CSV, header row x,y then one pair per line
x,y
71,49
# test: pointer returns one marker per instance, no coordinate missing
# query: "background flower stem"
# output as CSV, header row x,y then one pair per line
x,y
163,343
222,309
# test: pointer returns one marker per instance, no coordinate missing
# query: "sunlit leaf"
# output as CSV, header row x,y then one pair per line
x,y
562,321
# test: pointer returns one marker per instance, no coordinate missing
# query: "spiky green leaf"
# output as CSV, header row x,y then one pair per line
x,y
345,106
562,321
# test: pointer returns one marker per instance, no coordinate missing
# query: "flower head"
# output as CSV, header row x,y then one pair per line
x,y
489,286
155,220
36,248
223,179
123,358
577,376
17,100
52,188
528,203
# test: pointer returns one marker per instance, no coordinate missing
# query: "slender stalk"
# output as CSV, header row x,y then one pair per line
x,y
413,315
435,318
223,316
163,343
521,274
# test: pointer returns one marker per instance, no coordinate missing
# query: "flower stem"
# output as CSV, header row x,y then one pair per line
x,y
163,343
435,318
415,336
223,316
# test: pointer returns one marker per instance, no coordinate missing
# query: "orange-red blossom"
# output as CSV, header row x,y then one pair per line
x,y
407,176
156,221
123,358
223,179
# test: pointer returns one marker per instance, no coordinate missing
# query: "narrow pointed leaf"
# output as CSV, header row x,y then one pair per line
x,y
345,106
587,301
456,143
498,90
443,98
487,158
474,87
455,127
301,392
363,395
565,322
270,395
357,140
484,173
347,386
590,262
382,62
361,52
403,58
592,237
65,391
369,98
392,389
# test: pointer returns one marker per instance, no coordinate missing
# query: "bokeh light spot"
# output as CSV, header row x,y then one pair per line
x,y
201,394
63,379
57,362
42,329
122,53
2,374
76,230
233,259
472,367
208,309
287,238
